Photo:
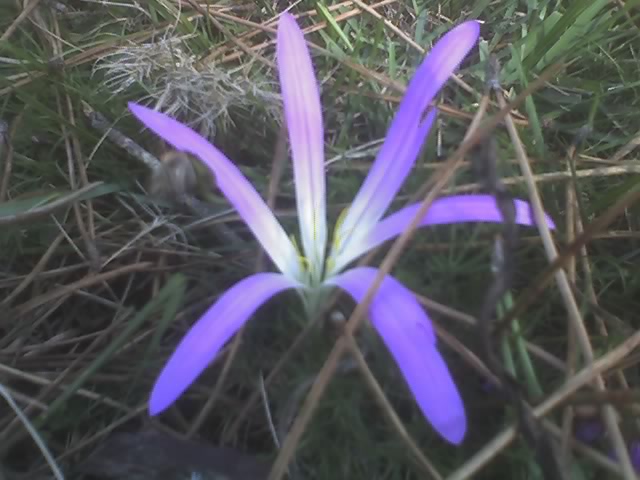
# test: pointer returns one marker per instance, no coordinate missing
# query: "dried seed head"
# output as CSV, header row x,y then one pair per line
x,y
174,179
182,87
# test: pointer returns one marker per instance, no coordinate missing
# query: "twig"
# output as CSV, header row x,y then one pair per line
x,y
554,176
572,350
100,123
484,160
583,377
49,208
267,411
82,392
282,361
389,411
7,136
30,6
32,431
237,42
627,149
267,26
461,83
82,283
39,267
573,310
542,280
588,452
72,151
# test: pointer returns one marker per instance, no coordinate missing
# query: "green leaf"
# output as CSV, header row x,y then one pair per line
x,y
575,24
24,205
326,14
534,119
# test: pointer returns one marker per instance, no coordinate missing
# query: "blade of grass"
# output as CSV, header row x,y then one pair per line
x,y
167,295
326,14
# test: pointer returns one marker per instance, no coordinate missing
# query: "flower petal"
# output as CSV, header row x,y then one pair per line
x,y
405,135
203,341
453,209
303,114
233,184
345,241
408,334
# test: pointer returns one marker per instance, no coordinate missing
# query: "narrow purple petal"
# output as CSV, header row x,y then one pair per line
x,y
233,184
203,341
352,240
446,210
409,336
303,114
405,135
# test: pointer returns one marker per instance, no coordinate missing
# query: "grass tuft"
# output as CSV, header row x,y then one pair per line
x,y
99,279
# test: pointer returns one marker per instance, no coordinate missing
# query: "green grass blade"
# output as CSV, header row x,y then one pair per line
x,y
326,14
175,284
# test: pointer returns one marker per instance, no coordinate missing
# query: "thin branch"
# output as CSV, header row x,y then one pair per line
x,y
573,311
34,434
579,380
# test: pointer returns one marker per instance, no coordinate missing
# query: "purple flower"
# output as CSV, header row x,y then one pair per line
x,y
633,448
394,312
634,453
589,430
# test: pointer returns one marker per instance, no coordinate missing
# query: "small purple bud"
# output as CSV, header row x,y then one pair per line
x,y
589,430
488,386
